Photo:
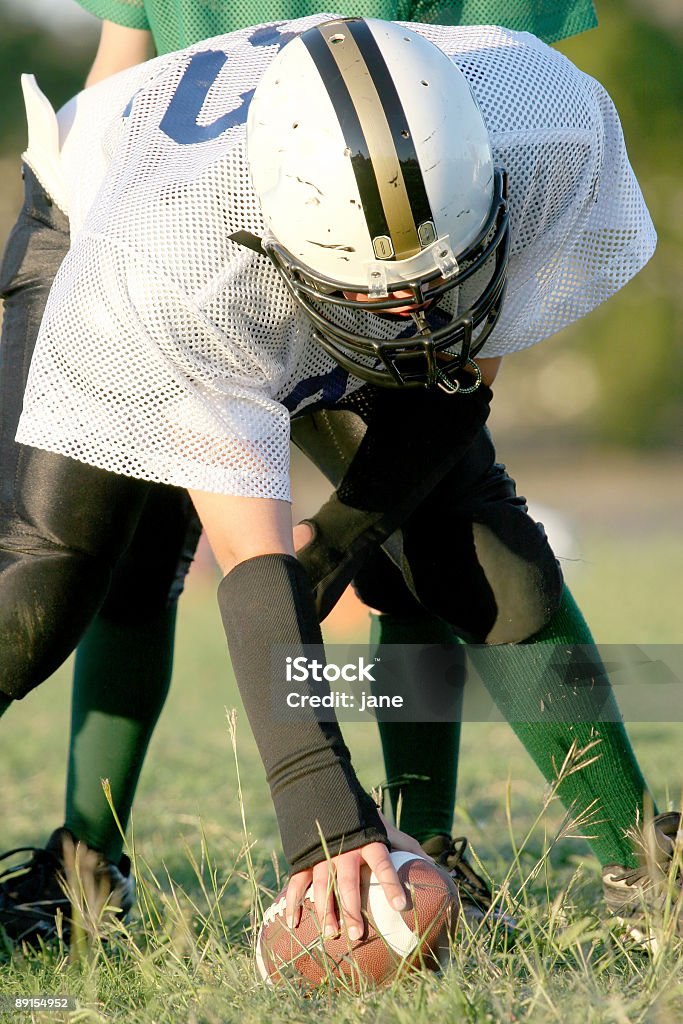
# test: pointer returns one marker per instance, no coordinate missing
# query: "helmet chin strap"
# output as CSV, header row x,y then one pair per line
x,y
248,240
452,386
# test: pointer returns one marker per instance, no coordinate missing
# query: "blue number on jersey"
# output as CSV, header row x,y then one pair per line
x,y
268,35
333,386
180,120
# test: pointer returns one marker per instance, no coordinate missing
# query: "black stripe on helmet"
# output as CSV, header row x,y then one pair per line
x,y
398,123
354,136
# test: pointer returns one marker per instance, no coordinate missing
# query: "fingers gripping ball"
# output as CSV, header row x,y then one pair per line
x,y
393,941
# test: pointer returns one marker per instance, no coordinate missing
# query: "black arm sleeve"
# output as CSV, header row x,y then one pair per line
x,y
266,601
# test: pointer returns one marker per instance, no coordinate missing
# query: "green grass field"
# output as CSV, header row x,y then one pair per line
x,y
187,957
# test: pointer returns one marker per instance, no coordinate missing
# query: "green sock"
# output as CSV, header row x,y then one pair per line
x,y
4,703
548,716
121,681
420,758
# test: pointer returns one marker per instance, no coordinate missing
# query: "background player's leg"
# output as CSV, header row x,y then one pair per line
x,y
614,779
421,758
114,710
502,586
123,670
75,522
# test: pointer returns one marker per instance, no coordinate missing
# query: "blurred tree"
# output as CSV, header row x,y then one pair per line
x,y
635,341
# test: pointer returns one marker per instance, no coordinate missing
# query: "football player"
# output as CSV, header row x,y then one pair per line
x,y
215,345
124,661
123,664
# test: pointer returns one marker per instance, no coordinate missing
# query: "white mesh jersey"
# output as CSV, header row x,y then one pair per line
x,y
172,353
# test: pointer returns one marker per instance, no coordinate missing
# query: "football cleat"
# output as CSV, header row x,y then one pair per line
x,y
62,885
476,898
648,899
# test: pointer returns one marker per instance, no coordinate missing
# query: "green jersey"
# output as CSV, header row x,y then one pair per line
x,y
175,24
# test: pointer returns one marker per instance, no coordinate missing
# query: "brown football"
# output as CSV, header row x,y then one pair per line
x,y
393,941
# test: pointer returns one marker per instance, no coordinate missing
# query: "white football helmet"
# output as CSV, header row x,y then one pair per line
x,y
373,168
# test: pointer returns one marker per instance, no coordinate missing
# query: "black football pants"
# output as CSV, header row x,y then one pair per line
x,y
471,555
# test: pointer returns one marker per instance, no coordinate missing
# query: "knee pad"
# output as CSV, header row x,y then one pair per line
x,y
503,586
526,585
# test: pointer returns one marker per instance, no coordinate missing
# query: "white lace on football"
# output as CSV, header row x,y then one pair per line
x,y
171,353
274,910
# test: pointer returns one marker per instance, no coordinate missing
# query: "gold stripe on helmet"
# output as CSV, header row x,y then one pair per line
x,y
381,148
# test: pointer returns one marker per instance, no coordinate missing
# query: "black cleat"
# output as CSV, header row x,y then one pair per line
x,y
649,898
476,898
62,884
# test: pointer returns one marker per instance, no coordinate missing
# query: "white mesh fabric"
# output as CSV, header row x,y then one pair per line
x,y
171,353
580,227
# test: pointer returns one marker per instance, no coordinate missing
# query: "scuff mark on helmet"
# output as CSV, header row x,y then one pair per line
x,y
331,245
302,181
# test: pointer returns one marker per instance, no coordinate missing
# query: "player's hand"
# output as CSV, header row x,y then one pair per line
x,y
401,840
340,877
